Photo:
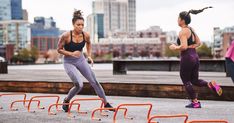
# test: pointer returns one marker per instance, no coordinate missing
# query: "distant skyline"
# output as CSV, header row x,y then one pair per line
x,y
148,13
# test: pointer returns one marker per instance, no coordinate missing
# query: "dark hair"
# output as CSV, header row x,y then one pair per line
x,y
186,15
77,15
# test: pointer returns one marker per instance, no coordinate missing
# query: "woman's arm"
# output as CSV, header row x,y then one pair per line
x,y
183,41
61,43
89,48
88,45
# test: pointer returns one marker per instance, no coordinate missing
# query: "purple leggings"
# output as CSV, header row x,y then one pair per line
x,y
73,66
189,68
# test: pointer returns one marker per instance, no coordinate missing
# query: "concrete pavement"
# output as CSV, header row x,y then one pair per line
x,y
209,110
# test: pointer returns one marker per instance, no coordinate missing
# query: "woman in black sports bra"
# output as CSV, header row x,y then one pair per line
x,y
189,62
71,45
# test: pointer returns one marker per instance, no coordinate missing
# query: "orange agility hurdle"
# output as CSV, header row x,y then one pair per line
x,y
15,109
59,104
168,116
14,94
100,109
48,96
126,105
83,99
208,121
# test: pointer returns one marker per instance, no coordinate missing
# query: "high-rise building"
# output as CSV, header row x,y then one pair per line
x,y
11,10
16,10
15,32
95,26
90,28
5,10
99,18
131,15
117,16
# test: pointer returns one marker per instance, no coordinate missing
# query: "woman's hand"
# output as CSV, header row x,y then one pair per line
x,y
192,46
75,54
172,47
91,60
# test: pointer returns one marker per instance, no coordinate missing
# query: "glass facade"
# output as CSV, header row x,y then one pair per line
x,y
11,10
16,10
100,25
14,33
5,10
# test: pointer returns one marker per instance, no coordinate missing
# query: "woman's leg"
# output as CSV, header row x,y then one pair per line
x,y
187,65
185,75
73,73
86,71
202,83
195,76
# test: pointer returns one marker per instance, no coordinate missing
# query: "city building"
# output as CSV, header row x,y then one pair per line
x,y
11,10
134,47
110,17
15,32
25,14
13,29
16,10
222,39
95,27
44,34
5,10
7,51
151,42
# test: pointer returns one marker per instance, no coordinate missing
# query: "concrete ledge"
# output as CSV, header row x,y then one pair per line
x,y
3,67
122,66
117,89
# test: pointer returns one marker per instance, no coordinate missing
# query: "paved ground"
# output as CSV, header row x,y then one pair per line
x,y
209,110
104,74
51,73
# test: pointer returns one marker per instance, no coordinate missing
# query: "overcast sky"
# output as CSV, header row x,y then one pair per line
x,y
163,13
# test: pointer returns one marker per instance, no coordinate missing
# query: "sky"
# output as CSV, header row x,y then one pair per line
x,y
163,13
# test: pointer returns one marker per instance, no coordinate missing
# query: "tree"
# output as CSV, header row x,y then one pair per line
x,y
171,53
34,53
204,51
26,56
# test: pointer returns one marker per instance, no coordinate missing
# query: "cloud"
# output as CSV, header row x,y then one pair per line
x,y
163,13
60,10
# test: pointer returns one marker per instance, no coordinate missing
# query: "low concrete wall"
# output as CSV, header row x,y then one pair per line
x,y
122,66
3,67
117,89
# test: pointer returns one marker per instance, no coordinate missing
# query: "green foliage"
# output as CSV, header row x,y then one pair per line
x,y
204,51
171,53
26,56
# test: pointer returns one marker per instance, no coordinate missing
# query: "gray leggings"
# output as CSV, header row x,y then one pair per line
x,y
71,66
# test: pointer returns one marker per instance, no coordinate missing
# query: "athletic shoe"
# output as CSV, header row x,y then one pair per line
x,y
215,87
109,106
65,107
194,105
